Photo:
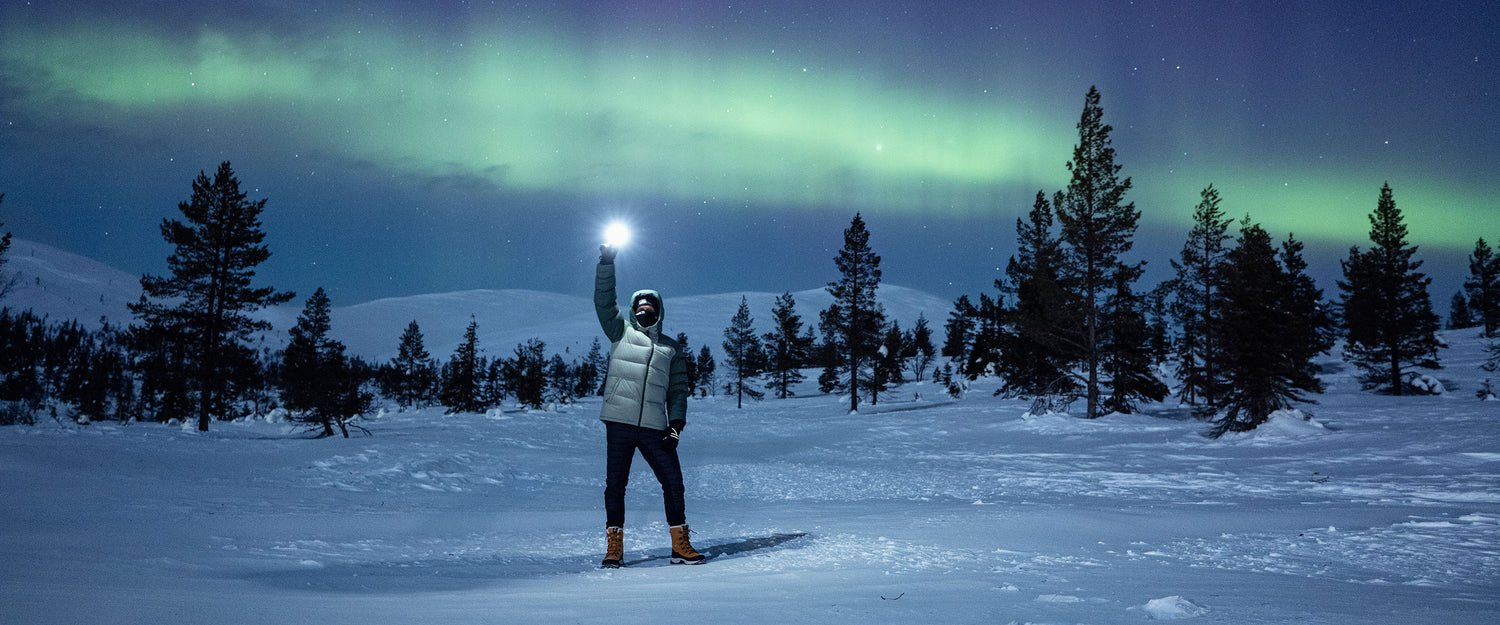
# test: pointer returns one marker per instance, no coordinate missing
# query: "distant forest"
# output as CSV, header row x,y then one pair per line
x,y
1234,333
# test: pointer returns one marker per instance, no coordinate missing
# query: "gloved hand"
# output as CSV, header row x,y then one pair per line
x,y
672,434
607,254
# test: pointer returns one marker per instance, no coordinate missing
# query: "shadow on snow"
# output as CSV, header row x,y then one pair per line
x,y
440,575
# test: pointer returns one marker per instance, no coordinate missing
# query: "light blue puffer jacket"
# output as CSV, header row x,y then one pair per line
x,y
647,383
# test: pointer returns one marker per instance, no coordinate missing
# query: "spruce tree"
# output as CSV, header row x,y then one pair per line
x,y
1459,315
1125,355
318,384
415,374
1483,286
852,323
1262,371
1385,305
1196,300
743,354
6,282
923,351
706,376
527,374
463,376
1097,227
1036,353
208,298
888,361
959,330
1311,329
786,347
592,369
691,364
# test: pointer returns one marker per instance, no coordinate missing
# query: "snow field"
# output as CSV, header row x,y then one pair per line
x,y
1379,510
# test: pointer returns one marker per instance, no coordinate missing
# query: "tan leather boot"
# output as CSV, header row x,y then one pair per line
x,y
614,550
682,550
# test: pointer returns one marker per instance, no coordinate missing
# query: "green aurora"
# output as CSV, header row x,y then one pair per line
x,y
531,110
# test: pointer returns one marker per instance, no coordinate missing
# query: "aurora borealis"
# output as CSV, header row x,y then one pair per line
x,y
408,148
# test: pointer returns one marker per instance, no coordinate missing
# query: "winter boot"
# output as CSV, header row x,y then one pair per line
x,y
682,550
614,552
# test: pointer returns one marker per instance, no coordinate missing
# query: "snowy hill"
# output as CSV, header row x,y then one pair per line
x,y
67,286
61,285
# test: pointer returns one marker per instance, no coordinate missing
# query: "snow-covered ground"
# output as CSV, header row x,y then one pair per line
x,y
1380,510
918,510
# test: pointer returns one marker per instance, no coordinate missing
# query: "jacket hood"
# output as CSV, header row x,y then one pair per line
x,y
661,313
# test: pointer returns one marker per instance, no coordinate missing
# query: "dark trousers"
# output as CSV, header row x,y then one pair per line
x,y
623,440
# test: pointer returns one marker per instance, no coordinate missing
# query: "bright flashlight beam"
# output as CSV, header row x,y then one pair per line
x,y
616,235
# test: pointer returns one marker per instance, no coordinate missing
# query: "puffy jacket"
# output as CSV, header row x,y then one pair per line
x,y
647,383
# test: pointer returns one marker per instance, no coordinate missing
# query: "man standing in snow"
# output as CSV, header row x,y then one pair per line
x,y
645,408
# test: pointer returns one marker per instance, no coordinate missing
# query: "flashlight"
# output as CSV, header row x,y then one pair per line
x,y
616,235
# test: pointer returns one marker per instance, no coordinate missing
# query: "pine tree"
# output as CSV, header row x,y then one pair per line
x,y
592,369
1262,371
413,368
991,316
560,380
959,330
1036,355
1483,286
691,364
888,362
318,383
852,323
1196,299
923,351
1126,352
786,347
6,282
527,373
1459,315
1311,329
743,354
1386,309
706,376
463,376
1097,226
208,298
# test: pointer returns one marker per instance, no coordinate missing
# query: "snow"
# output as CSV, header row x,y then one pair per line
x,y
1381,509
1172,608
1363,508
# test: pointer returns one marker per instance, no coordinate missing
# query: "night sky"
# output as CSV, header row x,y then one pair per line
x,y
409,148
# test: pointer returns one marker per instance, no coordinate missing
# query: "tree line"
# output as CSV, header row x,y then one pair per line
x,y
1237,327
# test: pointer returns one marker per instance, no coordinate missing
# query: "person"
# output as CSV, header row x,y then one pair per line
x,y
645,409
